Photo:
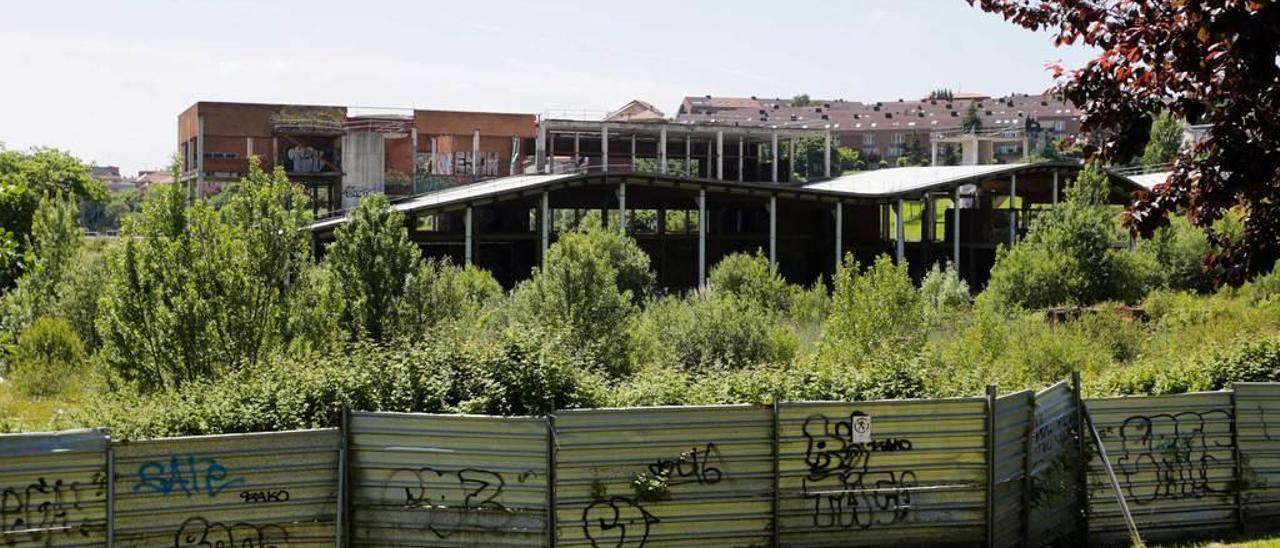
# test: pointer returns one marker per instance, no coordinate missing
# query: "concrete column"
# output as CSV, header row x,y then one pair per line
x,y
577,150
1055,189
633,152
604,148
955,238
741,151
720,155
435,168
1013,211
467,243
791,158
248,147
539,150
622,208
200,160
702,237
546,224
662,151
933,151
774,155
413,156
826,156
839,234
927,219
688,153
475,152
773,230
900,231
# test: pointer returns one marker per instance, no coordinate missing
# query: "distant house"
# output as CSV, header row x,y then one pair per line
x,y
636,111
147,178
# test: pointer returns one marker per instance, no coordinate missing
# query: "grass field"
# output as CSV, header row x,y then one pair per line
x,y
19,412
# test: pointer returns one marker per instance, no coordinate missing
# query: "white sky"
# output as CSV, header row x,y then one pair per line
x,y
106,80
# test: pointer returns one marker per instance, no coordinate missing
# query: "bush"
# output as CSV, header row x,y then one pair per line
x,y
1177,254
753,278
944,294
372,260
47,357
712,332
1246,360
873,311
1068,256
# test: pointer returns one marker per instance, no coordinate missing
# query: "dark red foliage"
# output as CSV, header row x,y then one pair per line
x,y
1209,61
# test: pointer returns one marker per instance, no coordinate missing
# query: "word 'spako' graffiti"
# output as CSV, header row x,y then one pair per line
x,y
844,491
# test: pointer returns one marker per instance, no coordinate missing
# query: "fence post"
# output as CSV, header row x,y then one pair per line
x,y
991,465
111,492
343,531
1028,462
551,480
775,507
1082,462
1239,482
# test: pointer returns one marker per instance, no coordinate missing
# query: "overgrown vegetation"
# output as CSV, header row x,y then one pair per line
x,y
218,319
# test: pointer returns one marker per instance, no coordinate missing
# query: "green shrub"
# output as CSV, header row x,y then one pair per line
x,y
47,358
1246,360
372,259
753,278
712,332
944,294
878,310
1177,254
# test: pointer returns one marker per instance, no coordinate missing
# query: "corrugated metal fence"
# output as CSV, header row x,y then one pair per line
x,y
1008,471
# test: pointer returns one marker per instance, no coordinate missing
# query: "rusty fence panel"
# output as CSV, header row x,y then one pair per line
x,y
1174,457
268,489
1053,504
921,479
1258,439
665,476
1013,414
54,488
447,480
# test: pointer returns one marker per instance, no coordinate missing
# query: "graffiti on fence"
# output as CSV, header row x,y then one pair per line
x,y
190,474
281,495
1168,456
844,491
617,521
691,466
466,499
46,508
198,531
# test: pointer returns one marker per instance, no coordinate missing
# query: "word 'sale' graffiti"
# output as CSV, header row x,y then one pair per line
x,y
1169,456
845,493
46,509
187,474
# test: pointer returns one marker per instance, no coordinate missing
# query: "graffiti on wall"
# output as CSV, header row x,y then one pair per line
x,y
198,531
1168,456
190,475
452,501
48,508
845,492
617,522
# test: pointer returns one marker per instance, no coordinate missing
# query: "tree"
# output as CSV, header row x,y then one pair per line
x,y
801,100
915,150
1165,141
971,122
27,177
372,259
1210,62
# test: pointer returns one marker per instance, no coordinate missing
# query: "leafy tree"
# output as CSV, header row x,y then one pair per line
x,y
849,159
873,310
1177,253
1210,62
27,177
585,289
193,293
52,249
752,278
971,122
915,150
371,260
46,358
1165,141
1068,256
801,100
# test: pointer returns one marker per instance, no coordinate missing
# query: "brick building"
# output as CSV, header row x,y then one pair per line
x,y
885,130
340,153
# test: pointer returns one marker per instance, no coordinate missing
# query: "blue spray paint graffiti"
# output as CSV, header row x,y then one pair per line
x,y
188,474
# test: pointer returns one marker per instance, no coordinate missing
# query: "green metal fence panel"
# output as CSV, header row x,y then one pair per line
x,y
53,489
1258,439
677,476
1054,467
267,489
1174,457
921,479
1013,420
447,480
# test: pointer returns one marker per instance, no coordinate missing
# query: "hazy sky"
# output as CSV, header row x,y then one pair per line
x,y
106,80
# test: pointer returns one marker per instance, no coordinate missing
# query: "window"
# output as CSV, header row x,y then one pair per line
x,y
868,139
899,138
